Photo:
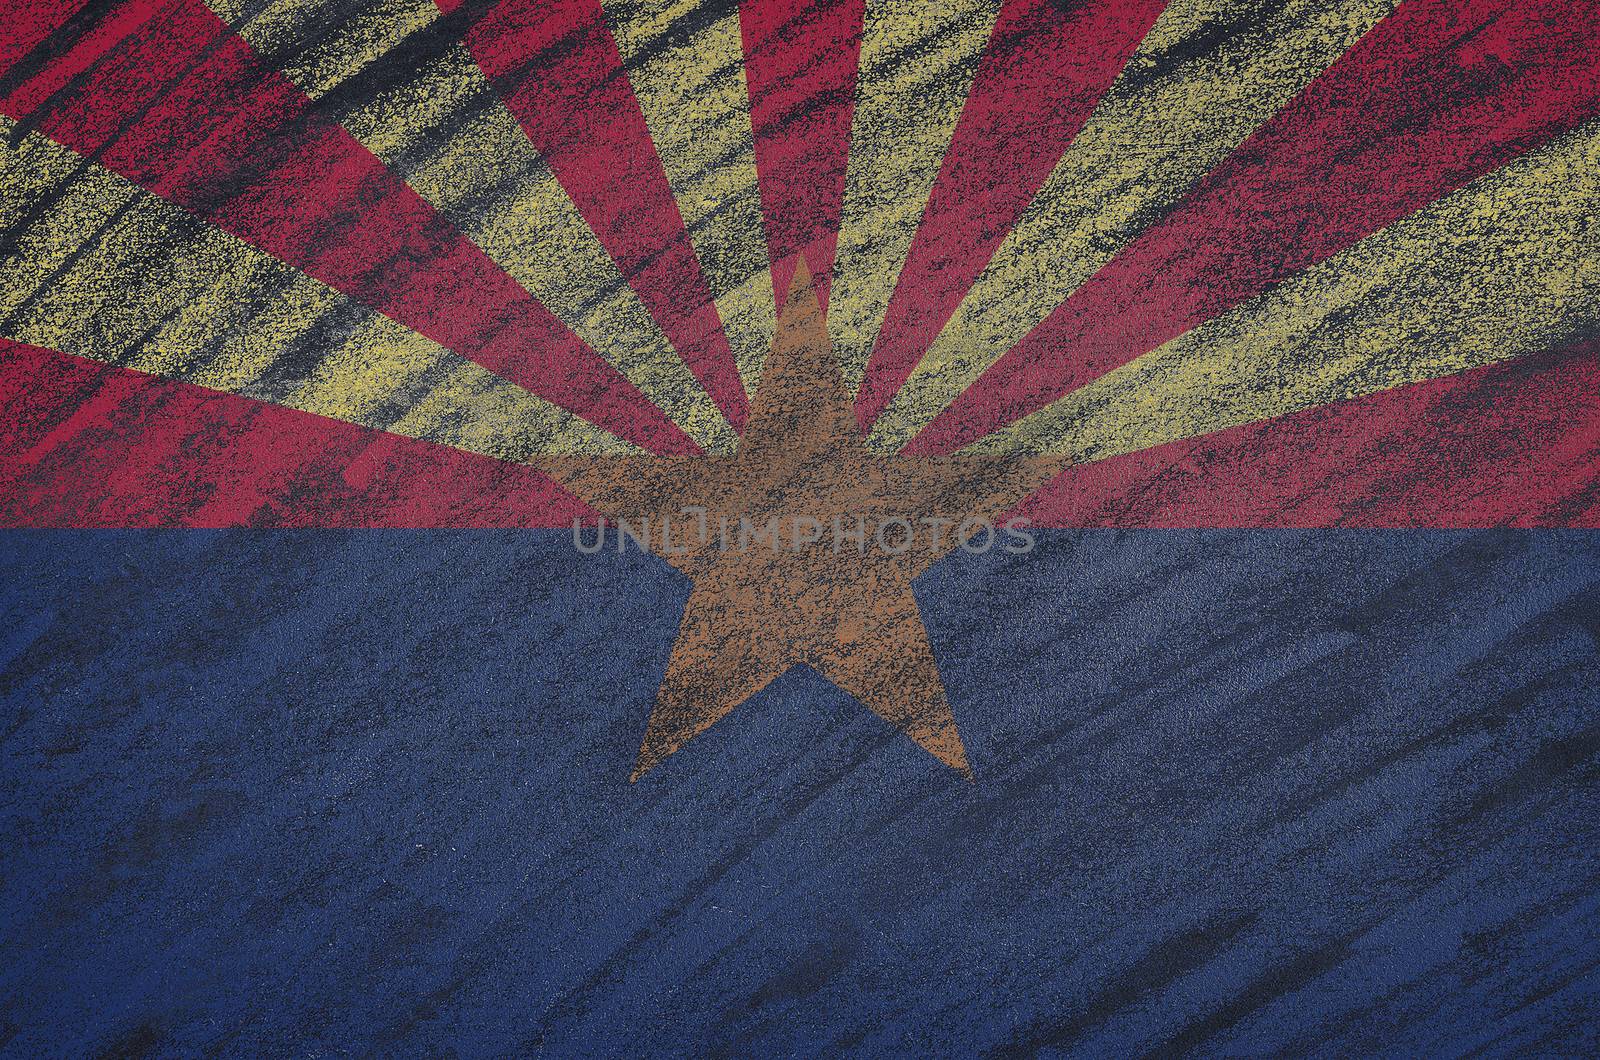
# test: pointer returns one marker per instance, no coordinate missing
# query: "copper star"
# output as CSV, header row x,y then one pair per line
x,y
760,606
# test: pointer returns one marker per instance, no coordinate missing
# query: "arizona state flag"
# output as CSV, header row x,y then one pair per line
x,y
799,527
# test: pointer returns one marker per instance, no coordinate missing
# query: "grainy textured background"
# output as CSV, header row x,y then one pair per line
x,y
349,792
347,264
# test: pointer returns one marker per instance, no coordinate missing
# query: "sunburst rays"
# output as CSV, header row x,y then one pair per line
x,y
917,64
559,70
685,61
387,71
1434,96
607,192
1205,77
1508,265
106,271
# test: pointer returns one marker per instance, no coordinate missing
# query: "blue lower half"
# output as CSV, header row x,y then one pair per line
x,y
328,793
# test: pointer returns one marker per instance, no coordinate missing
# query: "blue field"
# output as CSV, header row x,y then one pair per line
x,y
320,793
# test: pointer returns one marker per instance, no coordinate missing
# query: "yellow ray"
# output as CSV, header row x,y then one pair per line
x,y
1507,265
443,129
1164,124
917,65
685,60
107,271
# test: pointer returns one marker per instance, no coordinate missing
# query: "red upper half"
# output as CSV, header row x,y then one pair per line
x,y
167,96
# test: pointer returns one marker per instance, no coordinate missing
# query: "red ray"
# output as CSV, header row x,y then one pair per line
x,y
164,94
1436,95
800,69
30,24
89,445
1047,65
560,73
1511,444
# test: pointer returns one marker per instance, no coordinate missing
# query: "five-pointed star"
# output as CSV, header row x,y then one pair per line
x,y
759,607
